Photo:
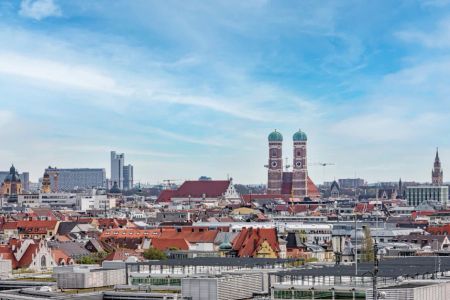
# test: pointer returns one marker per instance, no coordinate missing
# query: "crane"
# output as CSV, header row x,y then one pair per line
x,y
323,165
169,182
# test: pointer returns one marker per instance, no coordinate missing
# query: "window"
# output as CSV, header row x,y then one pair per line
x,y
43,262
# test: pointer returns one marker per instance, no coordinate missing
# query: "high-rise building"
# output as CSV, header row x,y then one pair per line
x,y
128,177
275,166
77,178
437,175
300,167
117,162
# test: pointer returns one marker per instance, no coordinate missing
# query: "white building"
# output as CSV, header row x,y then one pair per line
x,y
312,233
82,277
53,200
418,194
95,200
222,287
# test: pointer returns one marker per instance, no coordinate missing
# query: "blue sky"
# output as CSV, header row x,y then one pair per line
x,y
191,88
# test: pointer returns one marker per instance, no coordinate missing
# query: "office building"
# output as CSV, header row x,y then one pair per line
x,y
128,177
70,179
418,194
350,183
117,162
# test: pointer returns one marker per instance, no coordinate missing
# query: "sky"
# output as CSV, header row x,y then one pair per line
x,y
192,88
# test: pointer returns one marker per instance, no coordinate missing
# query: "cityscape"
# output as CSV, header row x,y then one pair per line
x,y
224,150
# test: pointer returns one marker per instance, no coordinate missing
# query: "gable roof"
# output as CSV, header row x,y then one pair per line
x,y
200,188
165,196
249,240
164,244
123,254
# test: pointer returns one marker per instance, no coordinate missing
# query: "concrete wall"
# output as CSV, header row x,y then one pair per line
x,y
5,268
226,287
90,278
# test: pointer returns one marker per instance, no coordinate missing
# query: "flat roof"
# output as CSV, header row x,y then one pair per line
x,y
214,261
408,285
392,268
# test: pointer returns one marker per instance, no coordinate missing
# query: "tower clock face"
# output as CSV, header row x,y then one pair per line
x,y
273,164
298,164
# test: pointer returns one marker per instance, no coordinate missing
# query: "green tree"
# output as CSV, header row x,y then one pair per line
x,y
367,245
154,254
92,259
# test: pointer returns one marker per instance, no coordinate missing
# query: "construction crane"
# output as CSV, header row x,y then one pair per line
x,y
323,165
168,183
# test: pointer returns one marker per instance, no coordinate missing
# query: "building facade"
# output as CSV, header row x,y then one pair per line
x,y
300,170
76,178
295,183
128,177
418,194
24,178
275,166
117,162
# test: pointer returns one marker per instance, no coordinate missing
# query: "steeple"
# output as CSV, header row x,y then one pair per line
x,y
437,174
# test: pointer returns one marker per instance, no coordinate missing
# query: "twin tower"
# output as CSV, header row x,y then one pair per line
x,y
293,183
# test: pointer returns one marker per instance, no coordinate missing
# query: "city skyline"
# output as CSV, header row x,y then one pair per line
x,y
184,94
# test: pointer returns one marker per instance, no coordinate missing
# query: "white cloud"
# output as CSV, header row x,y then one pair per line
x,y
83,77
39,9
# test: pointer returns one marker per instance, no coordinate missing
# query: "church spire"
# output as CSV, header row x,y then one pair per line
x,y
437,174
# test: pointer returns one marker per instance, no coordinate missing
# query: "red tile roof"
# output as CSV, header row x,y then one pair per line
x,y
249,240
192,237
121,233
313,191
165,196
364,208
123,254
200,188
164,244
299,208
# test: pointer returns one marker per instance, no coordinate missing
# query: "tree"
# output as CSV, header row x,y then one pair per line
x,y
367,245
92,259
154,254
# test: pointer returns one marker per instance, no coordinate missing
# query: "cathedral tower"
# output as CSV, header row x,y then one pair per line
x,y
437,175
300,167
275,166
46,187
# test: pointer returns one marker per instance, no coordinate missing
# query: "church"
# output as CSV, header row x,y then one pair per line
x,y
12,185
295,183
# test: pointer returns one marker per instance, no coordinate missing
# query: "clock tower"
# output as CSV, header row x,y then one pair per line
x,y
275,166
300,167
437,174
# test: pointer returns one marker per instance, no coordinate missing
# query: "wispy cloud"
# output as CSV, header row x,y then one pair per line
x,y
437,38
39,9
59,73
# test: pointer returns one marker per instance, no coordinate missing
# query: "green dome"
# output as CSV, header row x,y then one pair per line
x,y
299,136
275,136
